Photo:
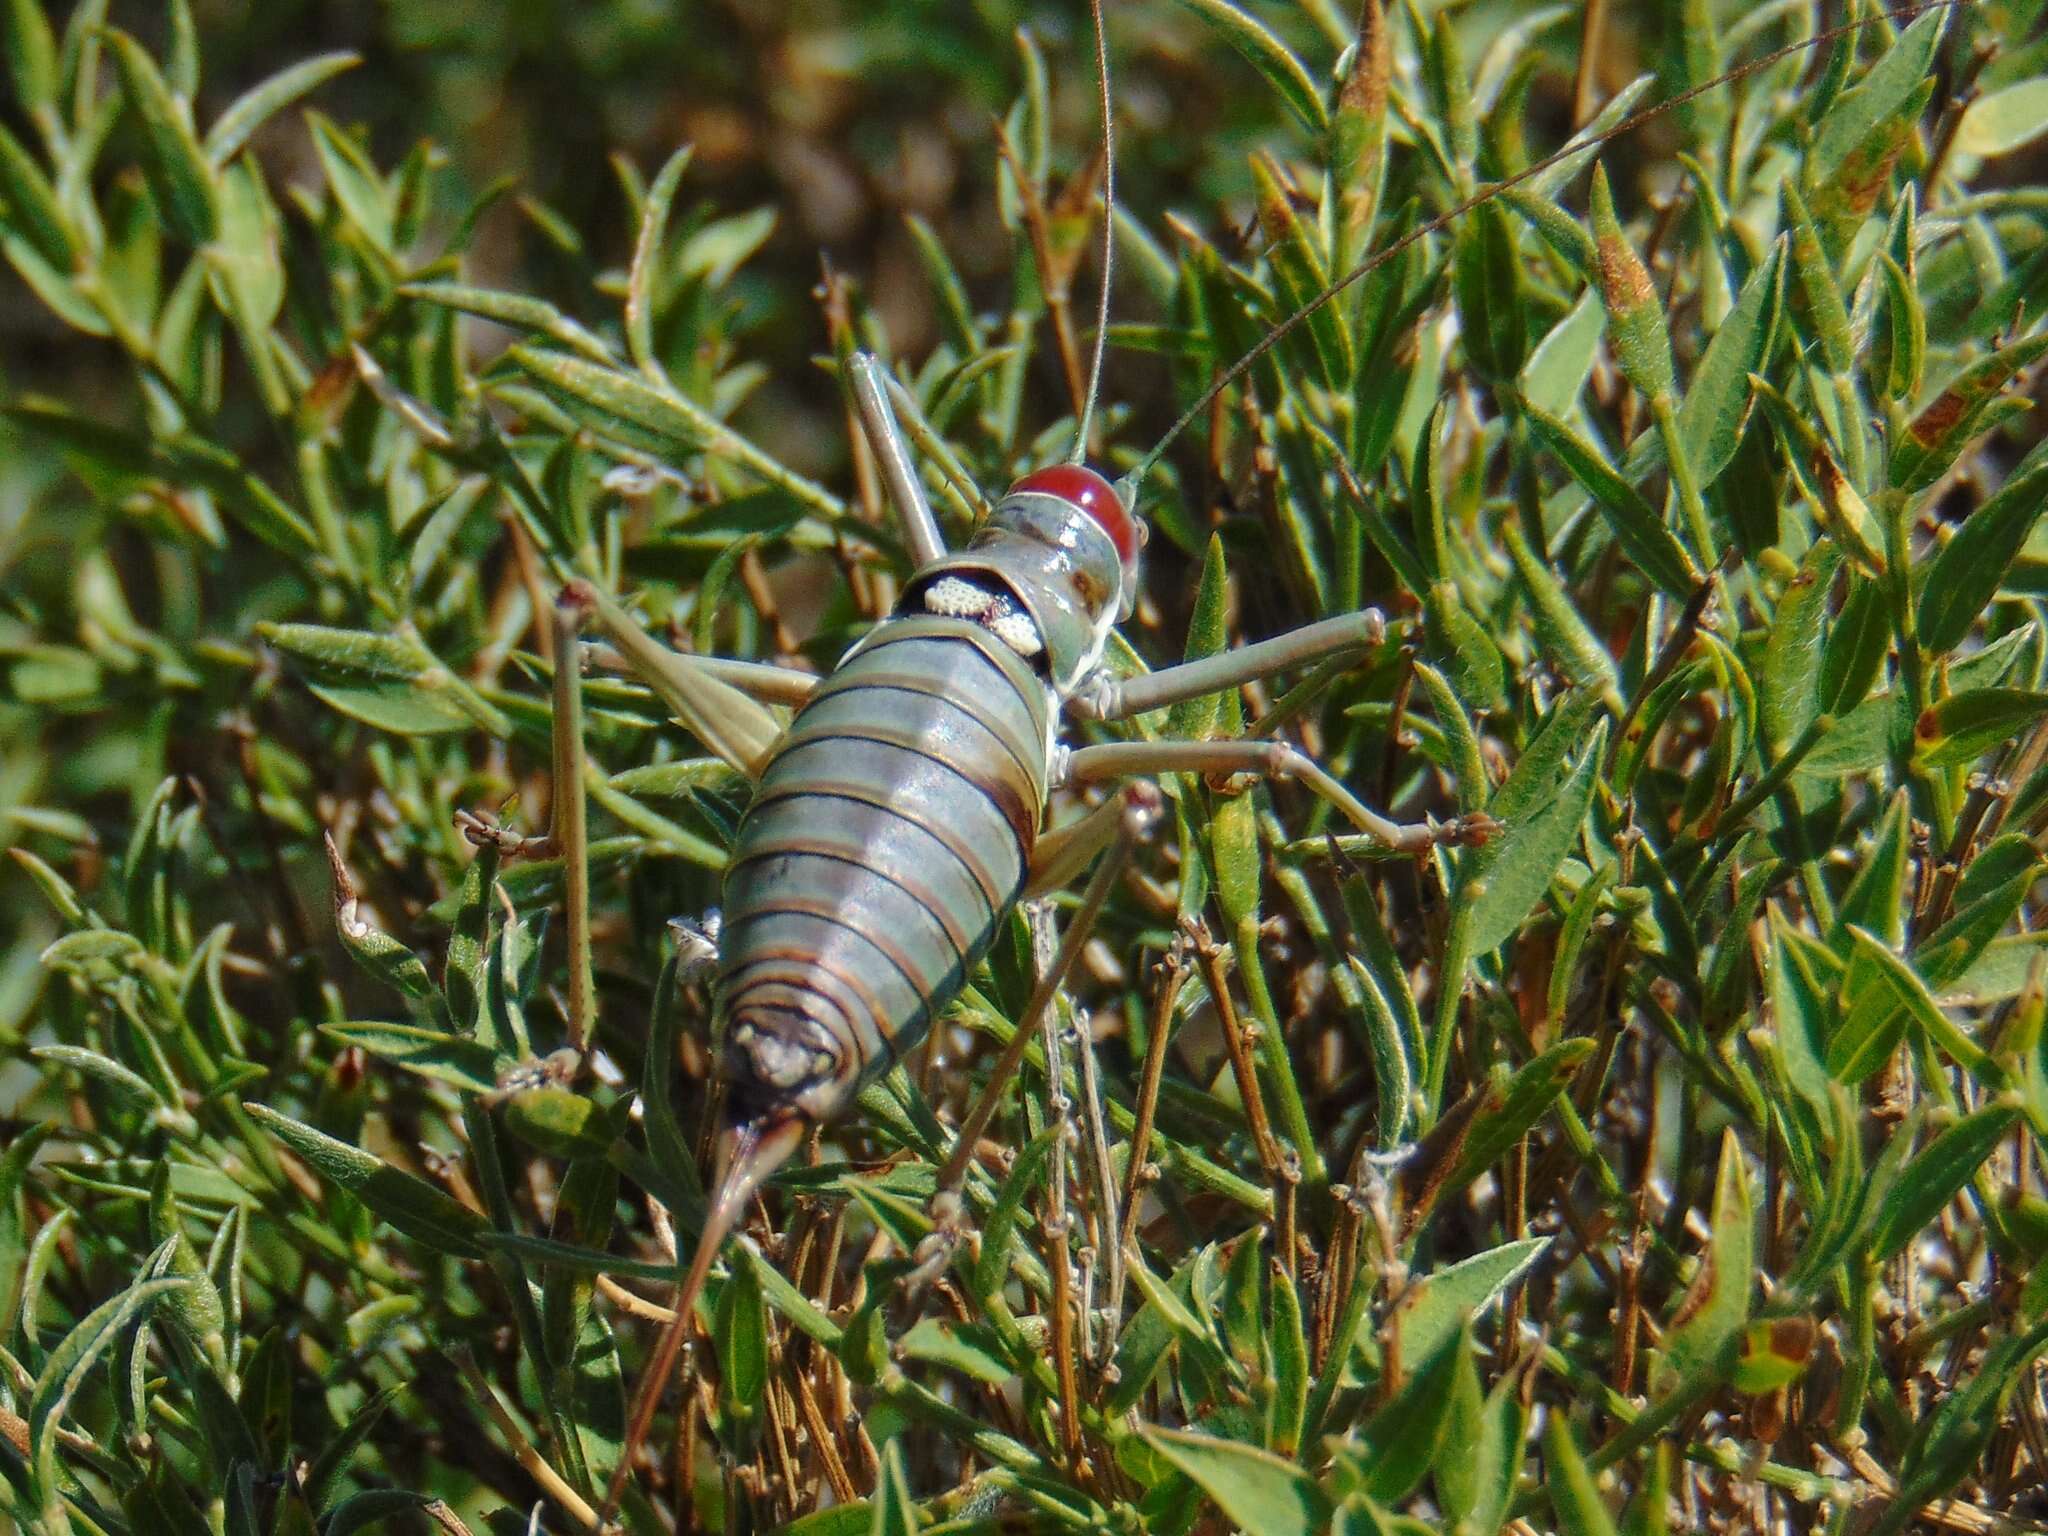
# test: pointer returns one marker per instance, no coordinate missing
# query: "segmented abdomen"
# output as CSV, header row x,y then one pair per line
x,y
887,838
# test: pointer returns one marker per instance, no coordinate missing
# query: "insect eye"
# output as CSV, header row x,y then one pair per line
x,y
1081,487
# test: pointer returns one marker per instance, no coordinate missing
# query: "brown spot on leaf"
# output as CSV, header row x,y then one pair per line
x,y
1624,280
1936,422
1365,88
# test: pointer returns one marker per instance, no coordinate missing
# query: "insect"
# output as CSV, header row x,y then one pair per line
x,y
900,815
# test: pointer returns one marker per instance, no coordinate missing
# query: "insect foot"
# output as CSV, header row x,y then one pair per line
x,y
696,942
949,1229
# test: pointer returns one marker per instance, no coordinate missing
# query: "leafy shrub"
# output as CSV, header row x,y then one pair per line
x,y
1678,1147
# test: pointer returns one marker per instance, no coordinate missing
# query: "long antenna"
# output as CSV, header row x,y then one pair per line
x,y
1080,451
1572,147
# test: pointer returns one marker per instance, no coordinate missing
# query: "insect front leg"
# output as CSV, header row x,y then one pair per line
x,y
1103,697
1269,759
718,714
568,832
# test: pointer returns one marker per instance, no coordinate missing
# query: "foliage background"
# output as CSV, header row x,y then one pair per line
x,y
167,769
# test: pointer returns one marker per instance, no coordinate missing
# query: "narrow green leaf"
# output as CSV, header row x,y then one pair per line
x,y
30,210
742,1338
992,1264
1936,1175
634,412
1936,437
1879,95
248,112
431,1053
1573,1493
1969,569
1255,1489
1477,1481
1876,897
1500,883
179,173
1637,525
1917,1002
1404,1438
67,1367
1716,1305
1526,1098
411,1205
894,1512
360,193
1964,726
1438,1304
30,49
1716,403
1270,57
643,277
1790,679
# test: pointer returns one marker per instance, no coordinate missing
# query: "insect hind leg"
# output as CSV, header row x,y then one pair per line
x,y
1137,809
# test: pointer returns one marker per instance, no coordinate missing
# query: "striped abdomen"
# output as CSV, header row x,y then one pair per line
x,y
887,838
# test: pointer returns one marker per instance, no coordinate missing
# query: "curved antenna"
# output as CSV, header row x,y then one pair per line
x,y
1080,450
1634,120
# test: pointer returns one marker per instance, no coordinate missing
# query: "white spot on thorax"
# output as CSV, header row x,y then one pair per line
x,y
955,597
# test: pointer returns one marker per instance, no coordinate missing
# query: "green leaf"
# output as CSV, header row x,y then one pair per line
x,y
1790,679
359,192
1987,898
1270,57
431,1053
1936,1175
894,1512
520,311
1500,883
642,277
29,207
1876,897
1509,1113
1716,1305
411,1205
1573,1493
1437,1305
1477,1481
1936,437
1403,1439
179,173
1964,726
1637,526
1255,1489
1878,96
1999,122
1635,315
1558,367
1716,403
67,1367
1970,567
742,1338
992,1264
30,49
632,411
248,112
1913,997
973,1349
